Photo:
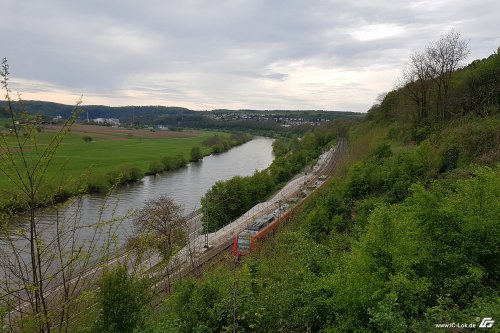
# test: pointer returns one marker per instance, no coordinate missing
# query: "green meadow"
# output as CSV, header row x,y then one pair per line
x,y
76,161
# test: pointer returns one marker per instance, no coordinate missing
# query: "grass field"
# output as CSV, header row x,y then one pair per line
x,y
109,151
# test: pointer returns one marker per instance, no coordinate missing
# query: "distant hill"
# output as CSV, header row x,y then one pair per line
x,y
125,113
255,121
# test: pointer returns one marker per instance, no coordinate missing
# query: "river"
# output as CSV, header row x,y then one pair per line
x,y
185,186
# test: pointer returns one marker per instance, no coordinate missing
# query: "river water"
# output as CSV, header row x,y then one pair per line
x,y
185,186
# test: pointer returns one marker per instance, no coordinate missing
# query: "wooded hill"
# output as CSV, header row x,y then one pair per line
x,y
178,117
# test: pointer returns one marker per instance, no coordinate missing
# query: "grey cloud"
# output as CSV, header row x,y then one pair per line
x,y
104,47
276,76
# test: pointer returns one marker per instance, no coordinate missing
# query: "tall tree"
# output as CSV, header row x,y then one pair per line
x,y
417,79
25,164
445,57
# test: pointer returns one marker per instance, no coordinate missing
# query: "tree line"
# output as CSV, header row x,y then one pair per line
x,y
229,199
436,87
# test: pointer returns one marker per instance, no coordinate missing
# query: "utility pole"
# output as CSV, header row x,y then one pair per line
x,y
305,176
234,296
206,222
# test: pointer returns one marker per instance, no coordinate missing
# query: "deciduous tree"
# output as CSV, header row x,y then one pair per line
x,y
160,224
445,56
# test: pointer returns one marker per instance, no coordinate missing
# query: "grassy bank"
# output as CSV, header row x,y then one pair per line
x,y
83,166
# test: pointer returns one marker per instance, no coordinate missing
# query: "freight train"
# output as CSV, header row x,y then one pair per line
x,y
245,241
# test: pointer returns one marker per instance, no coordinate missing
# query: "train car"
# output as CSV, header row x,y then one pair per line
x,y
244,242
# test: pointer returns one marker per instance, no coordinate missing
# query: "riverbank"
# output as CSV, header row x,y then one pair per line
x,y
109,159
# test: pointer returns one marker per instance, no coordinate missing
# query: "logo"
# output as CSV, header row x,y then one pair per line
x,y
486,323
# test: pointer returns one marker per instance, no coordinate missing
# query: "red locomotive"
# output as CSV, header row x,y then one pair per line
x,y
244,242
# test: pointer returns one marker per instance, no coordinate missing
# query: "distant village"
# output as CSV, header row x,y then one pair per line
x,y
281,119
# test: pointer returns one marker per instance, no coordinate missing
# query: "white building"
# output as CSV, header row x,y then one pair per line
x,y
111,121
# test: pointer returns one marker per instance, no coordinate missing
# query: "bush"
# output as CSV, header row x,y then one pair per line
x,y
155,167
98,185
449,159
168,163
131,173
180,161
122,300
196,154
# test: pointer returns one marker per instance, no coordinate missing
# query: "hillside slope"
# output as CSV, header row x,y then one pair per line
x,y
404,238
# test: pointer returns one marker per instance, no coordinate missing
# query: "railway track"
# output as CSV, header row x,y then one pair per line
x,y
216,254
196,265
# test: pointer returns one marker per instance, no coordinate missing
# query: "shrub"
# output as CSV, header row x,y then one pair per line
x,y
155,167
97,185
131,173
180,161
168,163
449,159
122,299
196,154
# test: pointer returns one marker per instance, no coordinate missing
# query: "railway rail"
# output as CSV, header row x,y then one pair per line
x,y
223,243
195,258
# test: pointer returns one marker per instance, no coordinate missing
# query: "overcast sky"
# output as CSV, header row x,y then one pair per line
x,y
206,54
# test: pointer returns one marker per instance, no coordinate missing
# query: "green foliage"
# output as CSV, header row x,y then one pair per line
x,y
473,91
476,139
449,159
87,139
155,167
122,301
391,174
359,185
98,185
382,151
205,306
282,145
173,162
196,154
229,199
220,144
102,184
435,244
329,214
385,248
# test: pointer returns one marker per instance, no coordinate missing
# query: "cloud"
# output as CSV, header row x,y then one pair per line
x,y
376,31
322,54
